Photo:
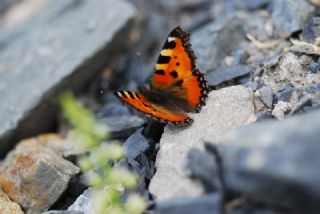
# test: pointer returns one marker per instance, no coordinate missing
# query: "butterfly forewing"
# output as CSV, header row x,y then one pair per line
x,y
176,71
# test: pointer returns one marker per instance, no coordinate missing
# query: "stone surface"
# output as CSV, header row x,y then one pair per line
x,y
280,109
227,73
314,67
311,30
290,71
113,109
276,162
209,204
265,95
35,175
289,16
285,92
83,203
225,109
6,4
135,145
63,46
122,126
216,40
8,206
243,206
203,166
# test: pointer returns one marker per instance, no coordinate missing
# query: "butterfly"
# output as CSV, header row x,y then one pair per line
x,y
177,85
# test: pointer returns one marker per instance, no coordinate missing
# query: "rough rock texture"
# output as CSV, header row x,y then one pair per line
x,y
213,42
83,203
276,162
226,108
227,73
135,145
64,46
35,175
209,204
289,16
7,206
122,126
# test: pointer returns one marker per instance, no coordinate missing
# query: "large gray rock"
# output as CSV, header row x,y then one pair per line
x,y
63,46
276,162
209,204
289,16
226,109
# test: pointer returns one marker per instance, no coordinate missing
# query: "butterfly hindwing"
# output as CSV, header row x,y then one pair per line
x,y
176,71
139,102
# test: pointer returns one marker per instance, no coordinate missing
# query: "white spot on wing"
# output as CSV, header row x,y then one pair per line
x,y
171,39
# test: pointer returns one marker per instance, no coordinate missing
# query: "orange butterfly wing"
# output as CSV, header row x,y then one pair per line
x,y
160,113
176,71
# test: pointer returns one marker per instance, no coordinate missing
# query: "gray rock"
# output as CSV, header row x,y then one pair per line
x,y
314,67
311,30
122,126
225,109
113,109
83,203
255,4
135,145
301,47
252,85
272,60
6,4
63,46
243,206
210,204
285,93
223,7
213,42
227,73
204,167
276,162
266,96
289,16
290,70
280,109
303,102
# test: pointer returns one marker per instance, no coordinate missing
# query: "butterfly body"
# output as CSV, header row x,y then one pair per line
x,y
176,87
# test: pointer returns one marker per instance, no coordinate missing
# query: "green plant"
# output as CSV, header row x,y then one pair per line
x,y
98,165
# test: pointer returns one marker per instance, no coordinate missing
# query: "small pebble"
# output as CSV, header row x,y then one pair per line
x,y
280,109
